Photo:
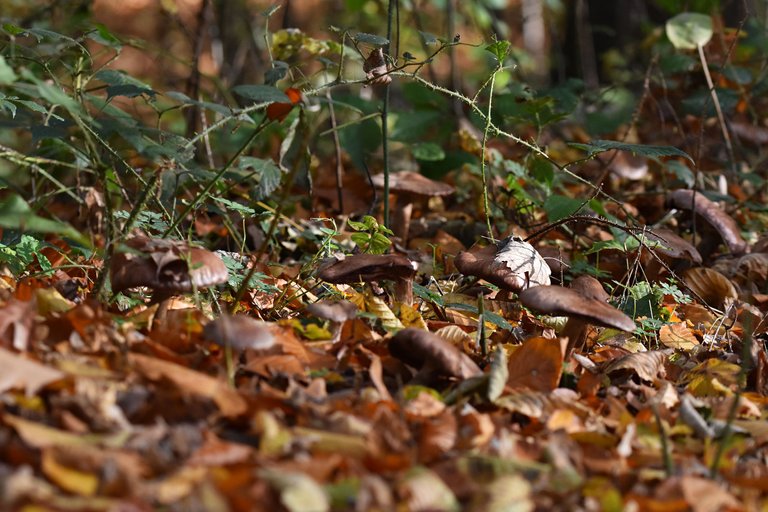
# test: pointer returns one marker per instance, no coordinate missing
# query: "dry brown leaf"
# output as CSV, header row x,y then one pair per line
x,y
533,404
706,495
727,228
16,319
18,372
647,365
537,364
677,336
229,401
711,286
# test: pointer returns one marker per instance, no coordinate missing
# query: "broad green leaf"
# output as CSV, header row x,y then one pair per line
x,y
499,49
598,146
261,93
7,75
266,174
245,211
128,90
559,207
428,151
688,30
15,213
103,36
371,39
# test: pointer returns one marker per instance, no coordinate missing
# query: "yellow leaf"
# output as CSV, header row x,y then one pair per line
x,y
379,308
69,479
410,317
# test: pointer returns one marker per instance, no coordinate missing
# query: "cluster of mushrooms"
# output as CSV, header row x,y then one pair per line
x,y
172,267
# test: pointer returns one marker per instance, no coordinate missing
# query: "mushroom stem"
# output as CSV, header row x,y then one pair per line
x,y
576,331
401,221
404,291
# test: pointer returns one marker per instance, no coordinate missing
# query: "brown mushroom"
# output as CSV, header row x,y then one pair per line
x,y
409,187
239,332
726,227
336,312
512,264
432,355
366,268
168,267
583,306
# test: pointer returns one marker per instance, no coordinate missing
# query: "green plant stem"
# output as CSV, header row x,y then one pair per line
x,y
270,232
212,182
483,167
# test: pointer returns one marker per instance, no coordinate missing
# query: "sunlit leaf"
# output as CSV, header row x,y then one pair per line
x,y
688,30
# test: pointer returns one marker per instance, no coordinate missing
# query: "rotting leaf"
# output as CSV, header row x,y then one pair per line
x,y
711,286
497,378
229,401
691,200
677,336
298,492
537,364
17,372
647,365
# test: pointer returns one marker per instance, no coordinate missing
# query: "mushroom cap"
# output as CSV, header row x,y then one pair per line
x,y
239,332
514,265
419,348
413,183
165,265
335,311
560,301
590,287
673,245
368,267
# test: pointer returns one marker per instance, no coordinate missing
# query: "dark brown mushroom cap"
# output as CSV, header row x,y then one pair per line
x,y
590,287
335,311
368,267
560,301
419,348
165,265
686,199
239,332
413,183
514,270
673,245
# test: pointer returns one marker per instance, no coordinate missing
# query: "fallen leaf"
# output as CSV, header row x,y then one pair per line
x,y
18,372
229,401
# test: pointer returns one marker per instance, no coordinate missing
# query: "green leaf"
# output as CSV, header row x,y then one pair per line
x,y
128,90
261,93
429,39
689,30
103,36
378,244
371,39
15,213
243,210
500,49
428,151
598,146
266,172
559,207
7,75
